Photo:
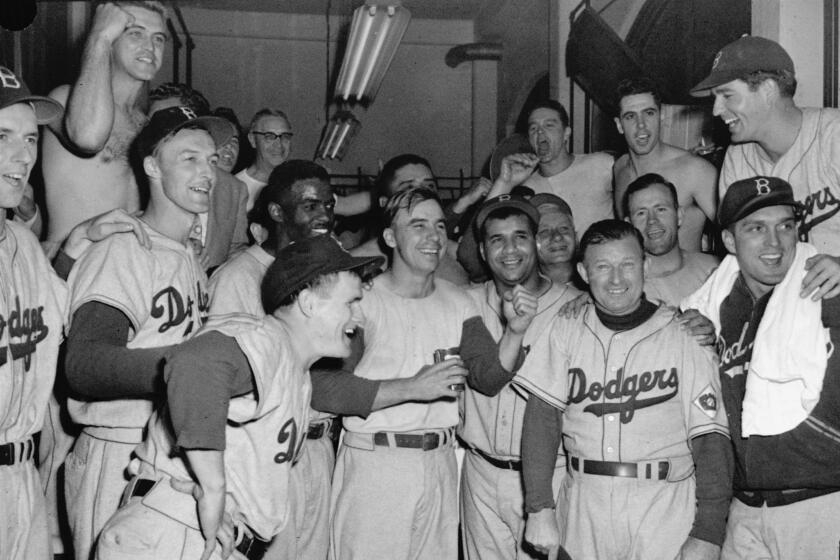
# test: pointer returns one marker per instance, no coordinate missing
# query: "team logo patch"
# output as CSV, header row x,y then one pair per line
x,y
707,401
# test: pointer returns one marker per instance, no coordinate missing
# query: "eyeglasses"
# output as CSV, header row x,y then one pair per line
x,y
273,136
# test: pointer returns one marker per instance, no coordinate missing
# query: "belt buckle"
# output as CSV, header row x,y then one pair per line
x,y
315,432
431,441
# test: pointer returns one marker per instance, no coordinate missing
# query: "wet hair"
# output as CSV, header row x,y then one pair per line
x,y
554,106
151,5
188,97
407,200
267,112
389,171
636,86
606,231
643,182
504,213
784,78
279,187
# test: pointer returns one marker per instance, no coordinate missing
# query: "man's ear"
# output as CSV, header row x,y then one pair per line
x,y
481,251
728,240
252,140
618,126
582,271
306,302
390,239
151,167
680,215
276,212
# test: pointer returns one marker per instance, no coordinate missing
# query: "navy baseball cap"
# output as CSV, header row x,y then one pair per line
x,y
541,199
300,263
168,121
744,197
741,57
13,91
506,201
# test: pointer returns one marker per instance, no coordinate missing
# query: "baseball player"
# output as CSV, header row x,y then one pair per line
x,y
650,203
786,480
32,313
237,406
637,402
128,305
492,510
753,82
556,239
394,488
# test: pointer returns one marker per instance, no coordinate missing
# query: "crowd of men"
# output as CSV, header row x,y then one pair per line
x,y
181,352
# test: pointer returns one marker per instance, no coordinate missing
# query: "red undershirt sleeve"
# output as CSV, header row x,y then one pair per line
x,y
714,464
542,430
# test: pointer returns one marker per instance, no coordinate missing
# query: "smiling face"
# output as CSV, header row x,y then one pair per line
x,y
742,109
654,213
615,273
509,249
228,154
418,237
555,236
336,306
764,244
639,121
312,210
547,134
277,150
185,167
18,151
139,50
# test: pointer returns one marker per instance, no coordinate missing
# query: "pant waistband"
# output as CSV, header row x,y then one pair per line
x,y
425,441
511,464
776,498
120,435
651,470
17,451
247,544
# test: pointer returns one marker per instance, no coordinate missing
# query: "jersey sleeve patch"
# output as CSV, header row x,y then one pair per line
x,y
707,401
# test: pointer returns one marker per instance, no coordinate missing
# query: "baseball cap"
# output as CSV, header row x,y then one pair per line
x,y
547,198
744,197
167,121
506,201
13,91
301,262
743,56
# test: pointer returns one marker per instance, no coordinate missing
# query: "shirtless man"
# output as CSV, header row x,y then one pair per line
x,y
639,119
86,169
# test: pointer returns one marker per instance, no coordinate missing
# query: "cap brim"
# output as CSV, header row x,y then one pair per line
x,y
758,204
713,80
46,109
365,267
525,206
220,129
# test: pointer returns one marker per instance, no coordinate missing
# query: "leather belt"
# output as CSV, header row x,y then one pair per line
x,y
507,464
653,470
250,546
319,430
16,452
426,442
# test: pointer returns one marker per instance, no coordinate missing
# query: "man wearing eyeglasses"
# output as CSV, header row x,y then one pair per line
x,y
270,134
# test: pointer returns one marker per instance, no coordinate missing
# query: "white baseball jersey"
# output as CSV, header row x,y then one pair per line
x,y
586,185
629,396
401,336
264,433
235,286
33,304
811,166
494,424
161,290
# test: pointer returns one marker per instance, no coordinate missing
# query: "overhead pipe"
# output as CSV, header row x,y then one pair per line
x,y
473,51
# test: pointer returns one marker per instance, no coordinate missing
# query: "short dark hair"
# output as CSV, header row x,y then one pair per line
x,y
554,106
609,230
636,86
188,96
407,200
784,78
502,214
279,186
389,170
643,182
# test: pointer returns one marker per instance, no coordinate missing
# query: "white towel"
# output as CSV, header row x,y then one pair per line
x,y
790,352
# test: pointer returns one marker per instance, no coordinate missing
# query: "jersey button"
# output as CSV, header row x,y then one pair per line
x,y
609,449
611,418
